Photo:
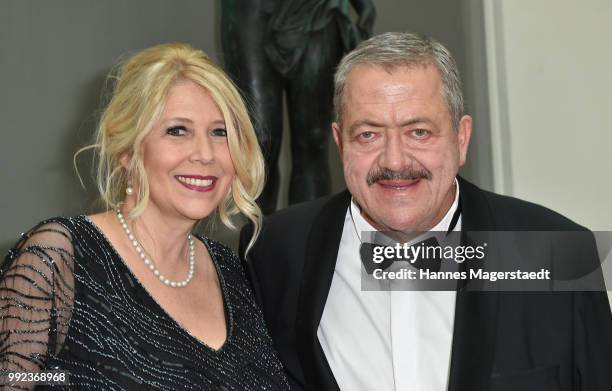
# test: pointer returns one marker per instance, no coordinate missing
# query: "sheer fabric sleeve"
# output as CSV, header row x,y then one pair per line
x,y
36,298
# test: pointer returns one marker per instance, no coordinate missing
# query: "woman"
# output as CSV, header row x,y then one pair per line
x,y
129,298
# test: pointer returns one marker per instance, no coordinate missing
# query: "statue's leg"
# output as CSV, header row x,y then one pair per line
x,y
309,99
243,26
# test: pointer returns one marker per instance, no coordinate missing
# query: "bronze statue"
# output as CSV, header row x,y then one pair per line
x,y
291,46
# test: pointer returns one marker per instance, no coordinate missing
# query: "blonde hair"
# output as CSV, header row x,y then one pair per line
x,y
141,87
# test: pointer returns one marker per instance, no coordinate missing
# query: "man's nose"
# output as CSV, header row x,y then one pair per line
x,y
394,155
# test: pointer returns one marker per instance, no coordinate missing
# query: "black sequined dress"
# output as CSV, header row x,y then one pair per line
x,y
69,302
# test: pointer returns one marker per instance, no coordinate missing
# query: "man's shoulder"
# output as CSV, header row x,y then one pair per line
x,y
511,213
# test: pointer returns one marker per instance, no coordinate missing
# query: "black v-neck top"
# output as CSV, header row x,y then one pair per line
x,y
69,302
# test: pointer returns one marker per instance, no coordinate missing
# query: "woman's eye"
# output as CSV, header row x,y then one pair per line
x,y
176,131
219,132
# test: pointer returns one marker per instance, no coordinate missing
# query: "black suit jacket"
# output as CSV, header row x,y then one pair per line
x,y
501,340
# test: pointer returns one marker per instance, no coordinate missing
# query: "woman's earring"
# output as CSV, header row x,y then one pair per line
x,y
129,190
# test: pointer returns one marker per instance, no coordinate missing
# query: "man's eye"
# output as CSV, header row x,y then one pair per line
x,y
420,133
219,132
176,131
366,136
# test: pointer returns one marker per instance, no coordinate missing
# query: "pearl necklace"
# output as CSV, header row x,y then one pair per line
x,y
149,263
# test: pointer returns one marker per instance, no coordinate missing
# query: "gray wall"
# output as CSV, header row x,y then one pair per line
x,y
54,55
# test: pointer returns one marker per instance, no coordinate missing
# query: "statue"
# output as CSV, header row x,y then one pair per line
x,y
273,47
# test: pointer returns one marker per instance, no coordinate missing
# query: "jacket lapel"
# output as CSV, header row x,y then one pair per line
x,y
319,265
475,312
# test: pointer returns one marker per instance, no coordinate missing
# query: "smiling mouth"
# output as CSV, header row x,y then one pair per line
x,y
398,184
197,182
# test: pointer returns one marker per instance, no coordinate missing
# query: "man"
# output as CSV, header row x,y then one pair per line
x,y
402,135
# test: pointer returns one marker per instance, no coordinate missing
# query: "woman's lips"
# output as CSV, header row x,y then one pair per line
x,y
197,182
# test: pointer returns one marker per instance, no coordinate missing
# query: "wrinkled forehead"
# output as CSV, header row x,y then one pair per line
x,y
386,84
372,76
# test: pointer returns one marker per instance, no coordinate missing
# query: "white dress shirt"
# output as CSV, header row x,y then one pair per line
x,y
385,340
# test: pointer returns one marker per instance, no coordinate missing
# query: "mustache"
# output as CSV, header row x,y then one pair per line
x,y
378,174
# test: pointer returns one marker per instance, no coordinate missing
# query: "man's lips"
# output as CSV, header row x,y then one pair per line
x,y
397,184
197,182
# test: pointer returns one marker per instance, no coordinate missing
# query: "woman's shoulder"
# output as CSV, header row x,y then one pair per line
x,y
43,257
37,287
65,224
218,249
53,229
52,238
222,254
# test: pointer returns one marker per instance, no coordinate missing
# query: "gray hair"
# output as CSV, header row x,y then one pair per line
x,y
390,50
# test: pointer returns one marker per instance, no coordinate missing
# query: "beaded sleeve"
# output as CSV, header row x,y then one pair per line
x,y
36,298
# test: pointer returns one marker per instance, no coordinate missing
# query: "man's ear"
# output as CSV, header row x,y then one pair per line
x,y
337,133
464,133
